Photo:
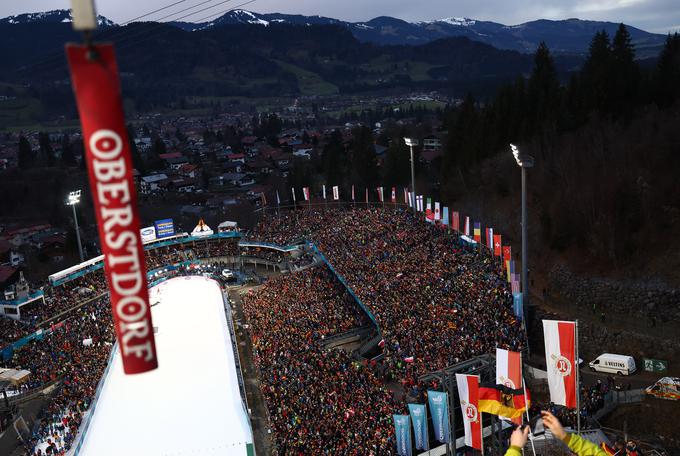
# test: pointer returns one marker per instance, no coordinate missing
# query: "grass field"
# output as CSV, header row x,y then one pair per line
x,y
309,83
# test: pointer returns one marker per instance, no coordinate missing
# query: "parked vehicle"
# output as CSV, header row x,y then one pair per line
x,y
613,364
665,388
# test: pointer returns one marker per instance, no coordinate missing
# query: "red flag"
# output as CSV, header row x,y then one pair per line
x,y
97,89
455,221
507,253
560,357
468,391
497,244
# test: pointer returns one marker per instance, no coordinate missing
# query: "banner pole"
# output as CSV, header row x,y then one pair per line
x,y
526,404
578,386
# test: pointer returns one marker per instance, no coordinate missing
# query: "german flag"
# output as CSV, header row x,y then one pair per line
x,y
503,401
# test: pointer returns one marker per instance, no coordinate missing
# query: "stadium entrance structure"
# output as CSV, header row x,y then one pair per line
x,y
174,409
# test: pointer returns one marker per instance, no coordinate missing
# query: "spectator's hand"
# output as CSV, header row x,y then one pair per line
x,y
519,436
553,424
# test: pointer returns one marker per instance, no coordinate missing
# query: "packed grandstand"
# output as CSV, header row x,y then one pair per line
x,y
432,301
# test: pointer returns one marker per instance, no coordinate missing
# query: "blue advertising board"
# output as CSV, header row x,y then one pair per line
x,y
164,228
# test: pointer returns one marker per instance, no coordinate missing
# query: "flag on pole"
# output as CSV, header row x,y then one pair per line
x,y
509,368
437,212
418,414
489,238
381,196
305,192
467,226
293,191
439,409
514,283
517,305
468,390
394,195
507,255
323,189
511,270
497,244
503,401
278,200
445,216
366,195
407,197
477,235
264,199
429,215
336,193
402,431
352,192
409,200
560,357
455,221
419,204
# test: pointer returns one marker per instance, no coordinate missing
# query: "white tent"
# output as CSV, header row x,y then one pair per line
x,y
201,230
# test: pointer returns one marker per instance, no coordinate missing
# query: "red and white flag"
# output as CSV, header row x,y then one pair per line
x,y
509,368
109,161
467,226
336,193
437,211
394,195
455,221
560,357
468,390
305,191
497,244
352,192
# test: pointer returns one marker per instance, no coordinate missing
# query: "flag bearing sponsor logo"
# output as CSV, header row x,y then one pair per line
x,y
507,382
471,413
562,365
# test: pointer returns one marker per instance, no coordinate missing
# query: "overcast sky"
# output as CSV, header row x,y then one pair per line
x,y
658,16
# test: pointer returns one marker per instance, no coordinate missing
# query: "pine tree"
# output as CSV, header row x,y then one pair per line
x,y
625,74
667,74
543,91
25,153
596,74
46,149
364,162
67,157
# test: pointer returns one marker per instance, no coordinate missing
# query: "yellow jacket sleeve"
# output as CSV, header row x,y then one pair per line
x,y
513,451
583,447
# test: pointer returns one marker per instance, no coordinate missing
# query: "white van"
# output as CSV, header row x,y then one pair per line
x,y
613,364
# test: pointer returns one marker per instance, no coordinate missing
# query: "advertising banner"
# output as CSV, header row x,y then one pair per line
x,y
94,74
419,419
402,430
148,234
439,408
164,228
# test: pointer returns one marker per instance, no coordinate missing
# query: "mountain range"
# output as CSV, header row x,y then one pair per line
x,y
569,36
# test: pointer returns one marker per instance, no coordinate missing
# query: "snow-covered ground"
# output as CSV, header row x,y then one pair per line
x,y
191,404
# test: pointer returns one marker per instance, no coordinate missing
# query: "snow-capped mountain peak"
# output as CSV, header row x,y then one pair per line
x,y
54,16
459,21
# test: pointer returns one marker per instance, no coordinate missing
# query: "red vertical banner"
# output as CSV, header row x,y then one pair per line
x,y
96,85
455,221
497,243
507,256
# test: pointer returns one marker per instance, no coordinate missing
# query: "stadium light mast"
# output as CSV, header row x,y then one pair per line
x,y
73,199
524,161
411,142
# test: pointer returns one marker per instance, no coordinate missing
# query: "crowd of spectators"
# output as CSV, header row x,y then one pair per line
x,y
76,353
435,301
11,330
320,401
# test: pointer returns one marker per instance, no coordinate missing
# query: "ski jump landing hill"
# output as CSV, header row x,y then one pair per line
x,y
192,403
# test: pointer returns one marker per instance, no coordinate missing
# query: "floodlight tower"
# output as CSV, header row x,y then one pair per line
x,y
524,162
411,143
73,199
